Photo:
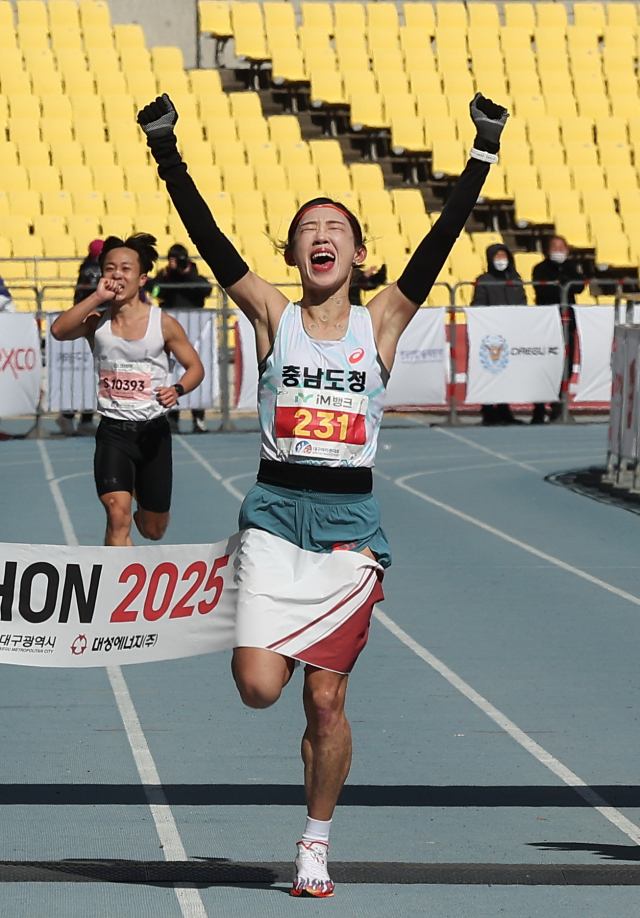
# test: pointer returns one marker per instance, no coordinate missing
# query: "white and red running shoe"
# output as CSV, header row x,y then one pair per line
x,y
312,877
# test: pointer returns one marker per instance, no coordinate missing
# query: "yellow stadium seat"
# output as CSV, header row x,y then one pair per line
x,y
447,158
418,58
228,152
59,245
39,59
598,200
543,130
167,58
27,247
589,14
547,153
302,178
8,39
291,154
287,66
494,186
58,129
612,250
518,59
110,82
625,106
367,112
564,202
76,178
96,37
581,154
425,81
312,37
245,105
520,177
15,81
128,153
621,179
207,178
129,36
49,224
32,36
6,15
118,107
205,81
577,129
252,130
141,83
16,225
56,107
407,134
380,38
551,14
483,15
214,105
519,15
614,154
376,201
15,178
94,13
555,178
515,153
622,15
24,203
215,18
116,224
325,152
382,15
250,43
334,180
528,106
280,202
23,130
530,207
366,177
516,38
261,154
84,107
456,82
317,15
108,177
622,81
34,154
587,177
98,153
64,37
524,83
57,202
435,106
78,82
238,177
120,203
349,15
8,154
419,15
44,178
391,81
103,59
140,178
562,105
399,105
123,129
173,82
451,14
319,59
272,177
154,202
44,83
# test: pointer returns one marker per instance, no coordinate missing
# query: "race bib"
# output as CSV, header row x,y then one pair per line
x,y
319,424
124,385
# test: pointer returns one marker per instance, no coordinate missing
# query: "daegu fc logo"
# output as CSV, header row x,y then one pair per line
x,y
494,353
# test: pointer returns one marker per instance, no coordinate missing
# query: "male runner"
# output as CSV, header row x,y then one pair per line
x,y
324,366
131,342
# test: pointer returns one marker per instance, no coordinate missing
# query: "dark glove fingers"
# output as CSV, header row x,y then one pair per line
x,y
489,108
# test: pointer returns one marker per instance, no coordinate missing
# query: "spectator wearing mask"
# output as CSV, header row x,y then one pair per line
x,y
501,285
87,283
179,286
549,277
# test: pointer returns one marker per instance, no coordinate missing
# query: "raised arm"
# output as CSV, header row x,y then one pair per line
x,y
392,309
260,301
76,322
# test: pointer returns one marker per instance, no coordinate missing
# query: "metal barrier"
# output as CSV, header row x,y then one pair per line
x,y
453,298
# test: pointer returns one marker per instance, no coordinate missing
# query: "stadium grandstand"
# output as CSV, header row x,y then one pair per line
x,y
365,102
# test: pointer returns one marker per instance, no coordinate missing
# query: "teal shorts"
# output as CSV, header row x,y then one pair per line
x,y
315,521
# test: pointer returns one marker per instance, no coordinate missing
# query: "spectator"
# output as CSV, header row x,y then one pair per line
x,y
365,279
88,277
501,285
549,277
179,286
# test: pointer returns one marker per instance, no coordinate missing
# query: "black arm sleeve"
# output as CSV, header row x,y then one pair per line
x,y
223,258
427,261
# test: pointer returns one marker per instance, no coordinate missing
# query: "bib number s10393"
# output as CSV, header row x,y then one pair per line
x,y
128,383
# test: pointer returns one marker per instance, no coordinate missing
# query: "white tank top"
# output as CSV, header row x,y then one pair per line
x,y
321,402
128,372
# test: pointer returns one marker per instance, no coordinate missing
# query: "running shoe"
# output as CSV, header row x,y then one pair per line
x,y
312,877
199,426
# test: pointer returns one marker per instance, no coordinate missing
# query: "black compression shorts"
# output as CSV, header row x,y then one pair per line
x,y
135,455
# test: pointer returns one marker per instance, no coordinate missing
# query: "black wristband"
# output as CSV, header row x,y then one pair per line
x,y
179,389
483,143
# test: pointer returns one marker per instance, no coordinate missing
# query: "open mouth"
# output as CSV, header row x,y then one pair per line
x,y
322,260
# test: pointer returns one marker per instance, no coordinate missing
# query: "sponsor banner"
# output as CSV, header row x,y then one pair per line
x,y
20,364
516,354
595,332
629,408
618,354
71,375
92,606
248,395
420,371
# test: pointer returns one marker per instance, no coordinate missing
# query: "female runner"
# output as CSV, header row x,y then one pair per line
x,y
132,342
324,367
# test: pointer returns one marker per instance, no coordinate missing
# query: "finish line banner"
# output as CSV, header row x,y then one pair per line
x,y
516,354
88,606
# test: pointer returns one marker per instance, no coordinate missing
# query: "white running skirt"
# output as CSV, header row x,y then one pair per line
x,y
96,606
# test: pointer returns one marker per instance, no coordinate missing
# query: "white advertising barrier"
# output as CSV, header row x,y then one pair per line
x,y
419,375
595,333
20,365
516,354
618,354
70,371
420,371
248,396
90,606
629,411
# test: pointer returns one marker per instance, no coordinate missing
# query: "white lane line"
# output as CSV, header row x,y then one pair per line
x,y
225,482
535,749
189,899
485,449
56,493
576,571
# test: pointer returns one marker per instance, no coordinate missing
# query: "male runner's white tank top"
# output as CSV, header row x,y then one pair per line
x,y
128,372
321,402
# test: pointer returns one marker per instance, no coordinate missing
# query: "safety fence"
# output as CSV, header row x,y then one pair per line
x,y
623,450
451,359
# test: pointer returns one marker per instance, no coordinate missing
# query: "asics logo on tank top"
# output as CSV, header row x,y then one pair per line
x,y
357,355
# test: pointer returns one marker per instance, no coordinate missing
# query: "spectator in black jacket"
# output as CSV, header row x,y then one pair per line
x,y
501,285
88,277
549,277
179,286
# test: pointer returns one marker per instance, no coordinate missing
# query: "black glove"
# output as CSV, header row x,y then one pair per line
x,y
158,118
489,120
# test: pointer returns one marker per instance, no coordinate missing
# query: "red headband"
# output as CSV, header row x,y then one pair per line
x,y
342,210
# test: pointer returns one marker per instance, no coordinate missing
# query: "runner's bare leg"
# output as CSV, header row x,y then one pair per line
x,y
118,507
326,744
